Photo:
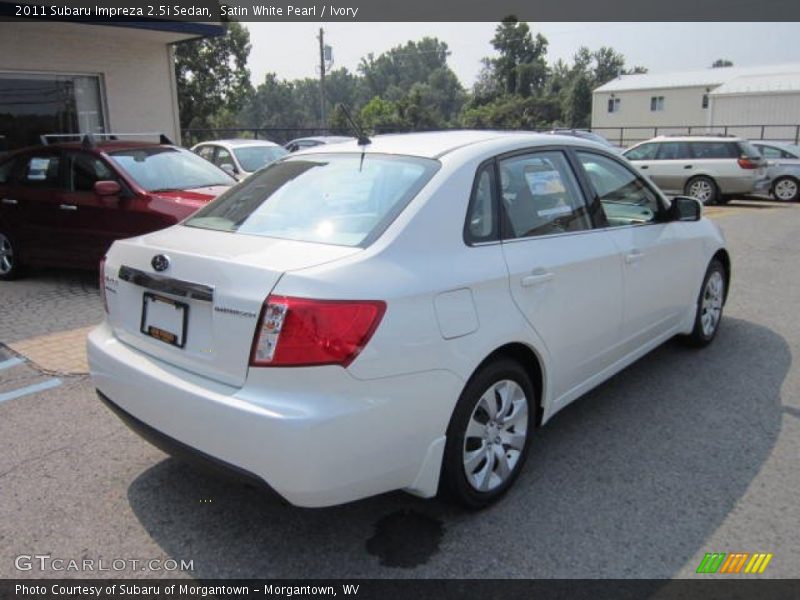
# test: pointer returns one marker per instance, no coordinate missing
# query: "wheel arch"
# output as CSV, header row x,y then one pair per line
x,y
722,256
529,360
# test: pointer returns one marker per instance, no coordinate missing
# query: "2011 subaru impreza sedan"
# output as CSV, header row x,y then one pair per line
x,y
402,314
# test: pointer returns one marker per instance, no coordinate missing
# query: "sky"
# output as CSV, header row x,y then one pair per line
x,y
292,51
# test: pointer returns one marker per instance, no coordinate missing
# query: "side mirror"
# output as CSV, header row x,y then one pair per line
x,y
685,208
107,188
229,169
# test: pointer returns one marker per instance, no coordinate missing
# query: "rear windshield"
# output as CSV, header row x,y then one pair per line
x,y
342,199
252,158
749,150
159,169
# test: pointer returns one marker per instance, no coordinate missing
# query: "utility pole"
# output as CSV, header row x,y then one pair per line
x,y
323,123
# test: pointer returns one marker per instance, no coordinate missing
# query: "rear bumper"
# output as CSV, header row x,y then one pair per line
x,y
317,436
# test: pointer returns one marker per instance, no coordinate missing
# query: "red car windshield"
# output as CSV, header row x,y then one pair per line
x,y
159,169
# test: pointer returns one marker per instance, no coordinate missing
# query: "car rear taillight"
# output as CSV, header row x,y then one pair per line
x,y
102,283
295,332
745,162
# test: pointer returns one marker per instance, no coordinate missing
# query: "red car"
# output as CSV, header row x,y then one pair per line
x,y
64,204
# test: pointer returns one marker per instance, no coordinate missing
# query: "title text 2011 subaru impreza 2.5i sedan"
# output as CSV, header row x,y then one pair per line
x,y
400,315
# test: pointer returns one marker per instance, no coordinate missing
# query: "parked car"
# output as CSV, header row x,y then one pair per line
x,y
783,169
240,158
64,204
319,140
710,168
402,314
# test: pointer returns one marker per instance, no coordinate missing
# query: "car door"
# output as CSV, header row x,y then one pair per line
x,y
672,167
33,194
92,222
565,275
643,156
659,257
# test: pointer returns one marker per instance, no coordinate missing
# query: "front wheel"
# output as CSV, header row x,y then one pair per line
x,y
489,435
702,188
786,189
709,306
9,258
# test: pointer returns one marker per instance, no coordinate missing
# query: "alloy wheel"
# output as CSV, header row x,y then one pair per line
x,y
6,255
785,189
701,190
495,436
711,304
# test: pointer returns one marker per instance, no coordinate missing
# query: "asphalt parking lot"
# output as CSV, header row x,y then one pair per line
x,y
684,453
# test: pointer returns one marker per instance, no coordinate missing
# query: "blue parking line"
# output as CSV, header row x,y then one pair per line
x,y
30,389
11,362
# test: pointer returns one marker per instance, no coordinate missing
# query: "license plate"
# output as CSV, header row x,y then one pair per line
x,y
164,319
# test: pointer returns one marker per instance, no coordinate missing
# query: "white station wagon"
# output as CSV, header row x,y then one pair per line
x,y
402,314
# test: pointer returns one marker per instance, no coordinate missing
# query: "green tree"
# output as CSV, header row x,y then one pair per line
x,y
578,102
521,67
212,76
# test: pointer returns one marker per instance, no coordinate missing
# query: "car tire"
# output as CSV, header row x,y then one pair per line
x,y
10,266
786,189
702,188
710,303
485,452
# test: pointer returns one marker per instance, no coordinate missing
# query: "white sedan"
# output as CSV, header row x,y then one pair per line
x,y
240,158
400,315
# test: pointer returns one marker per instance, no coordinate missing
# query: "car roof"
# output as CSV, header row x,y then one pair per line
x,y
695,138
236,142
435,144
325,139
104,146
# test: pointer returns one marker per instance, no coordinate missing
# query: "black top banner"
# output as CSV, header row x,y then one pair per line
x,y
210,11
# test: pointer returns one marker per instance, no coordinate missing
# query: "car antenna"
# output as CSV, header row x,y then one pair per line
x,y
363,140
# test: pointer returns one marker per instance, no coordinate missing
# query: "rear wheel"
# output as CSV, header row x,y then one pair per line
x,y
489,434
702,188
786,189
709,306
9,258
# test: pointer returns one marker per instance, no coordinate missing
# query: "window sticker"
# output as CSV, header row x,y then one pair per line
x,y
544,182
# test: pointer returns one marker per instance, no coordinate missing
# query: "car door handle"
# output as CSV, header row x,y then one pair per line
x,y
537,278
687,166
644,167
10,201
634,257
68,207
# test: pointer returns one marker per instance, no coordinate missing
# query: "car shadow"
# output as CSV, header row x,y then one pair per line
x,y
629,481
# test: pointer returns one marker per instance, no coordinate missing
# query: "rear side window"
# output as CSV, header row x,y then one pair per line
x,y
481,220
541,196
341,199
85,170
746,149
711,150
673,151
40,170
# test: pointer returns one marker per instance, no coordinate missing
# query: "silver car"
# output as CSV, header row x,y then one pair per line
x,y
783,169
711,169
240,158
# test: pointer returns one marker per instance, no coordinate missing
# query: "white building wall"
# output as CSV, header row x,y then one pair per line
x,y
135,67
682,107
769,109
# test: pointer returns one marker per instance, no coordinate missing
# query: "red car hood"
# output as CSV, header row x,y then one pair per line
x,y
193,196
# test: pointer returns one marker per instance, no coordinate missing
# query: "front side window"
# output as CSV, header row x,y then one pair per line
x,y
84,170
625,198
643,152
206,152
163,169
541,196
341,199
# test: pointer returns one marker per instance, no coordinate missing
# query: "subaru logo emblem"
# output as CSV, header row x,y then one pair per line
x,y
160,262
